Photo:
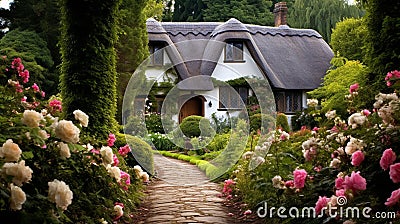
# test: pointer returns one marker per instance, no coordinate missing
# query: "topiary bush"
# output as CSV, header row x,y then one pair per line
x,y
282,122
194,126
141,151
255,122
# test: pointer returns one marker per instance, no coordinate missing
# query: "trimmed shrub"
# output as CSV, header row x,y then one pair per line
x,y
141,151
219,142
255,122
194,126
282,122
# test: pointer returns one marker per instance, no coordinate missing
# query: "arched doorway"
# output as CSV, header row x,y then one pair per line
x,y
194,106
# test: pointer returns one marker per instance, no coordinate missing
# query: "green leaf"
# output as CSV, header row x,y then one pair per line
x,y
27,155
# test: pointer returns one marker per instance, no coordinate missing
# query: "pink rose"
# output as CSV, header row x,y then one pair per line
x,y
35,88
394,198
299,178
289,184
395,172
321,203
355,182
357,158
116,160
366,112
340,192
124,150
111,139
339,183
387,159
354,88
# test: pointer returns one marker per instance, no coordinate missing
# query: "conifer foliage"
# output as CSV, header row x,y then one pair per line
x,y
88,79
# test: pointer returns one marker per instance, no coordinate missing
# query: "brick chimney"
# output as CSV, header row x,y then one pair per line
x,y
280,13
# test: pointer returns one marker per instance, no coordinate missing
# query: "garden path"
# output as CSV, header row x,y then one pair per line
x,y
182,194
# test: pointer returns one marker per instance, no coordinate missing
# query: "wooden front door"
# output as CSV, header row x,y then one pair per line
x,y
193,106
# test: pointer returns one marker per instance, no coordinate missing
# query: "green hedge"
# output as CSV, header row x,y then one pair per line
x,y
88,75
142,153
192,125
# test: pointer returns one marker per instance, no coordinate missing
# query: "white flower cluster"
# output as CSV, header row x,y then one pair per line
x,y
60,194
107,155
10,151
81,117
312,102
31,118
20,173
141,174
353,145
64,150
387,104
18,197
67,131
310,148
330,114
278,183
356,119
114,171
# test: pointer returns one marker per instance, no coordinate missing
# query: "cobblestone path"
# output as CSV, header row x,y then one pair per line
x,y
183,194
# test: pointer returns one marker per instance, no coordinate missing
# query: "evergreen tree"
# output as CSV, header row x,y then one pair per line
x,y
247,11
168,10
382,47
88,79
188,10
348,39
321,15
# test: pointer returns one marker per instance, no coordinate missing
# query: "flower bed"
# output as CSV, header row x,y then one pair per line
x,y
340,165
48,175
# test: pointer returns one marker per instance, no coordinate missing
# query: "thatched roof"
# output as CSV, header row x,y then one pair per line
x,y
289,58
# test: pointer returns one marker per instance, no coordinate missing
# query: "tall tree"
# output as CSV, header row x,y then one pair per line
x,y
41,16
188,10
321,15
348,39
88,74
247,11
382,47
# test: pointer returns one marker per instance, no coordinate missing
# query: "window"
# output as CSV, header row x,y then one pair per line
x,y
234,51
230,97
156,54
289,101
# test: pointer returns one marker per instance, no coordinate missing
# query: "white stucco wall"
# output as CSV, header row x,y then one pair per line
x,y
228,71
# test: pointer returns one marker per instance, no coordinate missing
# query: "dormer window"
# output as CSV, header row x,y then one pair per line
x,y
234,51
156,54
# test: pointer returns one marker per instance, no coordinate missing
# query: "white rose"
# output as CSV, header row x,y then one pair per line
x,y
20,172
18,197
10,151
144,176
64,150
107,155
118,209
67,131
60,194
81,117
43,134
138,170
31,118
115,172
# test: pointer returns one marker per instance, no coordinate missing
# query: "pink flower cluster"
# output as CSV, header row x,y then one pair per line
x,y
55,105
228,188
22,72
357,158
126,178
355,182
390,76
124,150
321,203
387,159
111,139
116,160
300,176
353,88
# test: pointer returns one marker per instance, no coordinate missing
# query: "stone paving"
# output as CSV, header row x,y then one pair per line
x,y
183,194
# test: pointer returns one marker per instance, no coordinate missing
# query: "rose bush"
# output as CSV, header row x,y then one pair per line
x,y
354,158
48,174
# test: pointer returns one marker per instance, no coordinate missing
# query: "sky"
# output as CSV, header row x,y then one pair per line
x,y
5,3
